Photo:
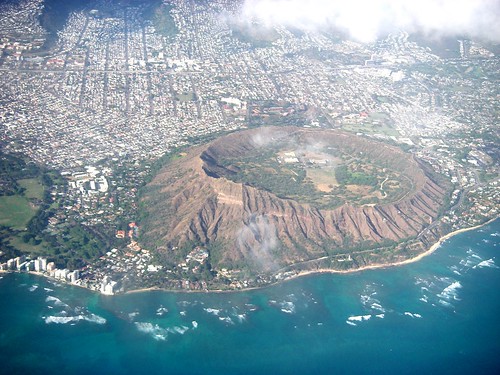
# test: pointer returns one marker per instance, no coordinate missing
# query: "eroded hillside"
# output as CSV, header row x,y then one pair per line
x,y
205,199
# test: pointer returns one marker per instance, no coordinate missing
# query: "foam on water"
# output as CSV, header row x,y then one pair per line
x,y
368,300
413,315
490,263
132,315
226,319
159,333
181,329
444,303
451,291
195,324
251,307
161,311
33,288
155,331
68,319
56,301
212,311
287,307
241,317
359,318
352,320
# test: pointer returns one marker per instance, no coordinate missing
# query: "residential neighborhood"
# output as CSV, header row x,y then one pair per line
x,y
117,90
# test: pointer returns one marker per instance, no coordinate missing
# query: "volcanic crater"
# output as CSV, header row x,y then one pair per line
x,y
270,198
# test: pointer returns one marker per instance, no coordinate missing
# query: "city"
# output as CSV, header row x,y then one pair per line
x,y
117,91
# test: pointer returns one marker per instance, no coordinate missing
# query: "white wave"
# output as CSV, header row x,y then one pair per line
x,y
468,262
288,307
67,319
445,303
161,311
381,316
359,318
241,317
378,307
496,234
94,319
364,299
132,315
195,324
350,323
59,319
413,315
251,307
48,289
455,270
451,291
212,311
490,263
56,301
183,313
155,331
33,288
181,330
424,298
226,319
426,284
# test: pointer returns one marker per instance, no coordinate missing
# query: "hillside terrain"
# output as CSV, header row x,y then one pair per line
x,y
254,201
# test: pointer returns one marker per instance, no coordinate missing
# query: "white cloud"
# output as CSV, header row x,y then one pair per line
x,y
364,20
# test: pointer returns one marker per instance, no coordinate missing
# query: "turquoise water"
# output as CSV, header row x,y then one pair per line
x,y
440,315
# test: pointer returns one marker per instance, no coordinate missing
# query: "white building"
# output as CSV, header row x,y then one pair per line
x,y
108,286
61,274
73,276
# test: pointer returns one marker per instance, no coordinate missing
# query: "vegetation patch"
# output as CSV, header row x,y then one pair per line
x,y
16,211
317,174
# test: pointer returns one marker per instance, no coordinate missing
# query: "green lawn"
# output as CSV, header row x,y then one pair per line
x,y
185,97
17,242
34,189
371,129
15,211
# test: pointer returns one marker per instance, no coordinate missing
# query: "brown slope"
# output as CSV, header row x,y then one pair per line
x,y
191,202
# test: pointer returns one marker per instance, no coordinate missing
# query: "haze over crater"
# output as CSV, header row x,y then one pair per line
x,y
256,201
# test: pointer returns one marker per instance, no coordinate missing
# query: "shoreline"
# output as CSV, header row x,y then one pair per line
x,y
417,258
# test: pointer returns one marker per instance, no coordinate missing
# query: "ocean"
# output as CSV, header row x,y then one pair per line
x,y
440,315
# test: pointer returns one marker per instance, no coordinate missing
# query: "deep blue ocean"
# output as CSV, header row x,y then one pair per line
x,y
440,315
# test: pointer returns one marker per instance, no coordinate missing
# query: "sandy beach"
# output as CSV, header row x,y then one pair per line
x,y
401,263
326,270
304,273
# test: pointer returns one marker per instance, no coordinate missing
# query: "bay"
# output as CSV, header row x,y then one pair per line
x,y
439,315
